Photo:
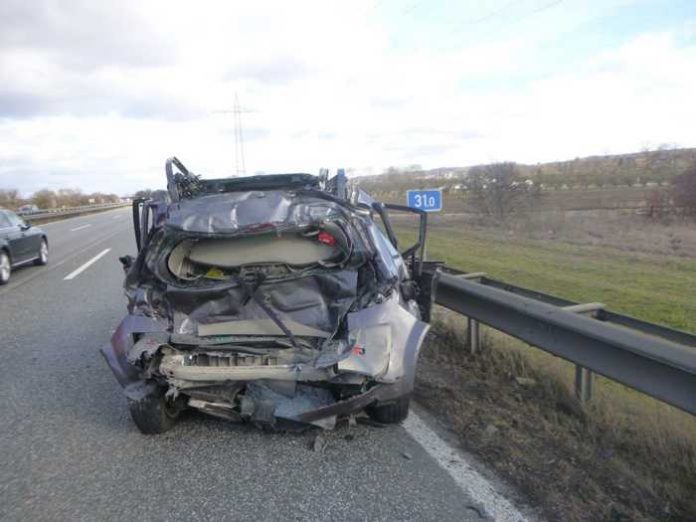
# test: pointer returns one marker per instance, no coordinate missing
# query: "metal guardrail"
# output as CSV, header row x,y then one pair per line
x,y
45,215
653,359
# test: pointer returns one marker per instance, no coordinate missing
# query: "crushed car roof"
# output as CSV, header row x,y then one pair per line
x,y
186,185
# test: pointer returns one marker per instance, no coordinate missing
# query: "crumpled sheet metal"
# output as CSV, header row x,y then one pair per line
x,y
226,215
319,300
370,351
117,351
390,264
406,336
229,213
305,399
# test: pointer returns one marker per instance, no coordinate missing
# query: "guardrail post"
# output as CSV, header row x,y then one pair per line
x,y
583,383
474,335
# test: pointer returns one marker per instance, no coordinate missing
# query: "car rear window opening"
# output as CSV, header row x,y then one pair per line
x,y
215,258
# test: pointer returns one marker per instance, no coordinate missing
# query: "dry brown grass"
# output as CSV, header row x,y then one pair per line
x,y
624,456
620,230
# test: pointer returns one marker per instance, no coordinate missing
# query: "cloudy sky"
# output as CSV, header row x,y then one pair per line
x,y
97,95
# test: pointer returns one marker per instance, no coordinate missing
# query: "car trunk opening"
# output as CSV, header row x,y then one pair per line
x,y
222,258
291,284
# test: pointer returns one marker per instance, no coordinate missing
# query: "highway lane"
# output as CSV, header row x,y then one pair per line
x,y
68,450
68,238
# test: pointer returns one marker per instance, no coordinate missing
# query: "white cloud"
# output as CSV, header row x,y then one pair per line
x,y
323,85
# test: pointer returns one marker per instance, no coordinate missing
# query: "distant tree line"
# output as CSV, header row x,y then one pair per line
x,y
500,190
658,167
49,199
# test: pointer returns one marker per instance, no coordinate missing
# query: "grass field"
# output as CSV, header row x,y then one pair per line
x,y
655,288
576,199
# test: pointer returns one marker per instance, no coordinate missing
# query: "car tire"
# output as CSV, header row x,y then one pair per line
x,y
5,267
389,413
154,413
43,254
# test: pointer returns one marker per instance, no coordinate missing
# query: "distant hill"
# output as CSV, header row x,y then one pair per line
x,y
651,168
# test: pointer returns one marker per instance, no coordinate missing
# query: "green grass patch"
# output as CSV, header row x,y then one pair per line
x,y
654,288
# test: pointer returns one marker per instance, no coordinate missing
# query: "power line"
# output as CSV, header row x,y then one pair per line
x,y
413,7
501,11
238,138
492,14
543,8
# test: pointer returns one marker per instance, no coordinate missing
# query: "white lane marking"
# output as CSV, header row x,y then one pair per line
x,y
74,274
54,265
118,217
467,478
81,227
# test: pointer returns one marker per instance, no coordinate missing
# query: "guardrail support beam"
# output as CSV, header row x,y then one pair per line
x,y
472,275
583,383
585,308
474,335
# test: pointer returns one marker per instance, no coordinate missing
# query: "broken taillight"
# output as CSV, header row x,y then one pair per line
x,y
326,238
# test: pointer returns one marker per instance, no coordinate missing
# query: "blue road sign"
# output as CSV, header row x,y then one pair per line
x,y
429,200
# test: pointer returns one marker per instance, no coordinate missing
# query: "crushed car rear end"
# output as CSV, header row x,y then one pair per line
x,y
276,300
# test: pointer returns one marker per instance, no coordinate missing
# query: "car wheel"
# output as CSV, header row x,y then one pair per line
x,y
389,413
5,267
43,254
154,413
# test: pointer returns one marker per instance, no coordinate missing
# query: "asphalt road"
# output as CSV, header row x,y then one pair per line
x,y
68,450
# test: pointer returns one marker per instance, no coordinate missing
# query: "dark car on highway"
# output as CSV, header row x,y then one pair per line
x,y
278,300
20,243
27,210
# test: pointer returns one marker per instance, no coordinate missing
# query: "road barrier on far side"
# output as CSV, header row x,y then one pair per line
x,y
44,216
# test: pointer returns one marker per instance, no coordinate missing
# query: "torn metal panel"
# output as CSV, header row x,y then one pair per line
x,y
319,300
371,351
305,399
223,410
258,327
147,346
406,332
122,341
389,263
231,213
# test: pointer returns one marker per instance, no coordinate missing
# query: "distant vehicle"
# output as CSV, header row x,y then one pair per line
x,y
274,299
26,210
20,243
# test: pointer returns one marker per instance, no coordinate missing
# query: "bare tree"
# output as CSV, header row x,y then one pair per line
x,y
658,203
68,197
144,193
10,198
498,190
44,199
684,191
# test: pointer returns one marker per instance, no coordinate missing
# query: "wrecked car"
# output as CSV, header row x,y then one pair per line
x,y
281,300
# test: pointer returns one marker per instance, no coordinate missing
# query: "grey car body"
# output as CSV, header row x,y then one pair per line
x,y
271,299
20,243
